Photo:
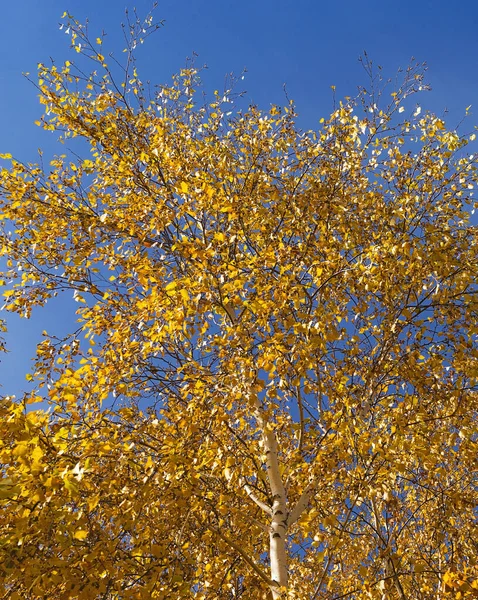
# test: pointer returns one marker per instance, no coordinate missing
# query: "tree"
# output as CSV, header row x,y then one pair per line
x,y
272,388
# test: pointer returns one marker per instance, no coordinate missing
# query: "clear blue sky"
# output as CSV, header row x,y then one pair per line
x,y
307,44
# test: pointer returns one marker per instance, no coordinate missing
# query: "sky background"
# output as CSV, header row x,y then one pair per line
x,y
309,45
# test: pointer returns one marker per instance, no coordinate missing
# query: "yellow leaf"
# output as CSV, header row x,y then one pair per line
x,y
8,489
37,454
171,287
21,449
71,485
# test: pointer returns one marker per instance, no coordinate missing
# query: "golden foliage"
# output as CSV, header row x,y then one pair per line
x,y
242,279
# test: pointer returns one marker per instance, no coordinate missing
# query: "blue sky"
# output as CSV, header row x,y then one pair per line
x,y
309,45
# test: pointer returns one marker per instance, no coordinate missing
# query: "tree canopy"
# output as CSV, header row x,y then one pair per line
x,y
271,389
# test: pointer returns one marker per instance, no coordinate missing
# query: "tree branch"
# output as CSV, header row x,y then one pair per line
x,y
255,499
301,504
247,558
301,419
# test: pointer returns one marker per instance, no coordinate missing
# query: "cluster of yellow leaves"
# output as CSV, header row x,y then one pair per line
x,y
220,263
107,507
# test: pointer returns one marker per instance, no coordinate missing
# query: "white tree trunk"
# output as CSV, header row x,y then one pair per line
x,y
281,518
279,524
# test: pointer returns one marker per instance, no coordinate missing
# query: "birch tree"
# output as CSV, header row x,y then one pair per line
x,y
271,388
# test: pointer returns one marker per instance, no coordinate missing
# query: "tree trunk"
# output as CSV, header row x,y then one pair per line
x,y
279,525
